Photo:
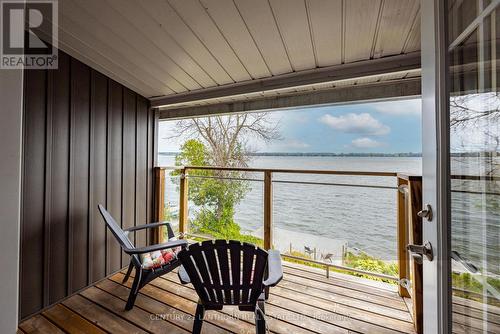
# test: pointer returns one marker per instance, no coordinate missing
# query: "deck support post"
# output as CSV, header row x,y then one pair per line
x,y
159,203
268,209
183,203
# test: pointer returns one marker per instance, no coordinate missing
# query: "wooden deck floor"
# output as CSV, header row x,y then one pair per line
x,y
304,302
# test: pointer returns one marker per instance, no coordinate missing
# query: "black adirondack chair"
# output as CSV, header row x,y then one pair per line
x,y
230,273
142,275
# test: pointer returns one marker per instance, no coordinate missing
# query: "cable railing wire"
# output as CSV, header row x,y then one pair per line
x,y
294,182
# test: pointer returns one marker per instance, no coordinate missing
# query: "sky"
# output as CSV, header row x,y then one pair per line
x,y
381,127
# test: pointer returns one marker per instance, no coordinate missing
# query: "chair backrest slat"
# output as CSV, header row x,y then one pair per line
x,y
235,253
214,272
248,259
220,279
222,251
199,258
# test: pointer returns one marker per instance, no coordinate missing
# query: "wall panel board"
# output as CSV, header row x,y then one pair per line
x,y
79,176
128,177
32,226
57,181
98,163
114,170
141,170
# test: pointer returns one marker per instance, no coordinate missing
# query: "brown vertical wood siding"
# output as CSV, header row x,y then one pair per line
x,y
87,140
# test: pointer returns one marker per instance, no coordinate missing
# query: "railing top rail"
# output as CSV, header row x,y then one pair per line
x,y
289,171
330,172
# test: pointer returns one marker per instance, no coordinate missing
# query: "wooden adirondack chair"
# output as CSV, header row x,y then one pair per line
x,y
230,273
144,272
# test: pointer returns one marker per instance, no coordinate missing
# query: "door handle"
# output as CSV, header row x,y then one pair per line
x,y
419,251
426,213
464,262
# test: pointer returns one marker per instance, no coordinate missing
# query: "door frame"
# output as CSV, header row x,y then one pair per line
x,y
435,166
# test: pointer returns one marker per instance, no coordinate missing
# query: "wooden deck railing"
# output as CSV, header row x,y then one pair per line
x,y
409,225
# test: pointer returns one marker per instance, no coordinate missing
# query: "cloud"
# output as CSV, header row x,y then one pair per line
x,y
400,108
365,143
356,123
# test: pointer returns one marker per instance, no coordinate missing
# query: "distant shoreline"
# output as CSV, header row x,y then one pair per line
x,y
320,154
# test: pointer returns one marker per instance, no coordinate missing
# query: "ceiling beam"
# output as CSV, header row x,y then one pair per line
x,y
406,62
404,88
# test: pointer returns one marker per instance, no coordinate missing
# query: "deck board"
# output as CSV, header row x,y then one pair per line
x,y
304,302
39,324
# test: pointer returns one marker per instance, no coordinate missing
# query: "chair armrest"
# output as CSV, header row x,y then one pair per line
x,y
145,226
183,276
152,248
275,268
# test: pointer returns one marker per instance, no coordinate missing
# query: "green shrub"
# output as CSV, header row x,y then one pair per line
x,y
366,262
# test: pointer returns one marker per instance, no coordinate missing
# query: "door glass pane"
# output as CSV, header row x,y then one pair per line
x,y
475,173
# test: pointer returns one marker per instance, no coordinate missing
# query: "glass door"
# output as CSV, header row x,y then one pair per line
x,y
461,165
473,32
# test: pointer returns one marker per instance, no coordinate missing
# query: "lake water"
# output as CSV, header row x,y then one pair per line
x,y
324,217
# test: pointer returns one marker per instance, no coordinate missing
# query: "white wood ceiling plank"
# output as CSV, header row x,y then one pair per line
x,y
230,23
292,20
104,12
413,43
326,25
396,23
138,17
360,24
81,51
171,23
101,46
195,16
259,19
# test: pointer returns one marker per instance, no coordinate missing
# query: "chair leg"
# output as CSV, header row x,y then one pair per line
x,y
129,271
198,319
260,318
134,290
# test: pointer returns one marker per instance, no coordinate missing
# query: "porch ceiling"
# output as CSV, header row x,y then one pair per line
x,y
165,48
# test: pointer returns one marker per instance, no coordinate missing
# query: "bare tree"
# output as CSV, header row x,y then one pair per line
x,y
473,109
473,115
227,136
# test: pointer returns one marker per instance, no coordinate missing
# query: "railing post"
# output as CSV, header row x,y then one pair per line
x,y
402,239
268,209
159,202
183,202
